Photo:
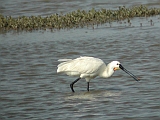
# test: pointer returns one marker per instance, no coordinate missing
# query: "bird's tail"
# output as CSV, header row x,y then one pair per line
x,y
64,60
63,65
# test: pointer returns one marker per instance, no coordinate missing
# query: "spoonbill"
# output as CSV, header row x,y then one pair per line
x,y
89,68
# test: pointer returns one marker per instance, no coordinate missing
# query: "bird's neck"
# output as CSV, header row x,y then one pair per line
x,y
108,71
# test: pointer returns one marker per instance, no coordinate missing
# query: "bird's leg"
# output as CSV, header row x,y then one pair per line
x,y
71,85
88,86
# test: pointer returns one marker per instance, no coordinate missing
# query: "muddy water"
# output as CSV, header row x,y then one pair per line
x,y
31,89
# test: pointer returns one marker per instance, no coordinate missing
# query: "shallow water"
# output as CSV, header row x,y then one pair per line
x,y
31,88
17,8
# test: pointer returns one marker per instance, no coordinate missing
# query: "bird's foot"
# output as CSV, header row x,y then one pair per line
x,y
71,86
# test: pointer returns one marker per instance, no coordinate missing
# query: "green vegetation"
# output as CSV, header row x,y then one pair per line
x,y
79,18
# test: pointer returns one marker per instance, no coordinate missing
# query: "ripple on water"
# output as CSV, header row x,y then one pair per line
x,y
31,88
93,95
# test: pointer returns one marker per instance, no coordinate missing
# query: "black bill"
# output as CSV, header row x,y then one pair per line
x,y
121,67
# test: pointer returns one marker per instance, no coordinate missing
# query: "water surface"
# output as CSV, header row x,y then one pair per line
x,y
31,88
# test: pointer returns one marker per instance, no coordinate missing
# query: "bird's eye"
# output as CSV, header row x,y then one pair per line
x,y
117,64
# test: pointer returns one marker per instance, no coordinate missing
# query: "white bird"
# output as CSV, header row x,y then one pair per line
x,y
89,68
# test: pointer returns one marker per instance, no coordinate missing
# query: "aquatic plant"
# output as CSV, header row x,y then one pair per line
x,y
79,18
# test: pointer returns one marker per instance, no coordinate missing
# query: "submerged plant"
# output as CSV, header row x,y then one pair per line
x,y
79,18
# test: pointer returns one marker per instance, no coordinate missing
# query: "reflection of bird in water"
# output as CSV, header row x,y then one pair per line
x,y
89,68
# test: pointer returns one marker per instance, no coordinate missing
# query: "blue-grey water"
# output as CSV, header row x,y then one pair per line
x,y
31,89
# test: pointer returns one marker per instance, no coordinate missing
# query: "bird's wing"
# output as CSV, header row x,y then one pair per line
x,y
82,65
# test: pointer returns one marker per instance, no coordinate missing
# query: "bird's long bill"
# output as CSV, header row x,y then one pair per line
x,y
121,67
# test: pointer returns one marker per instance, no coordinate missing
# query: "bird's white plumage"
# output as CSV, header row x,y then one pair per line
x,y
89,68
86,67
81,64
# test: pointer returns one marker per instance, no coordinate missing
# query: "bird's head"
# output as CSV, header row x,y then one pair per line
x,y
116,65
